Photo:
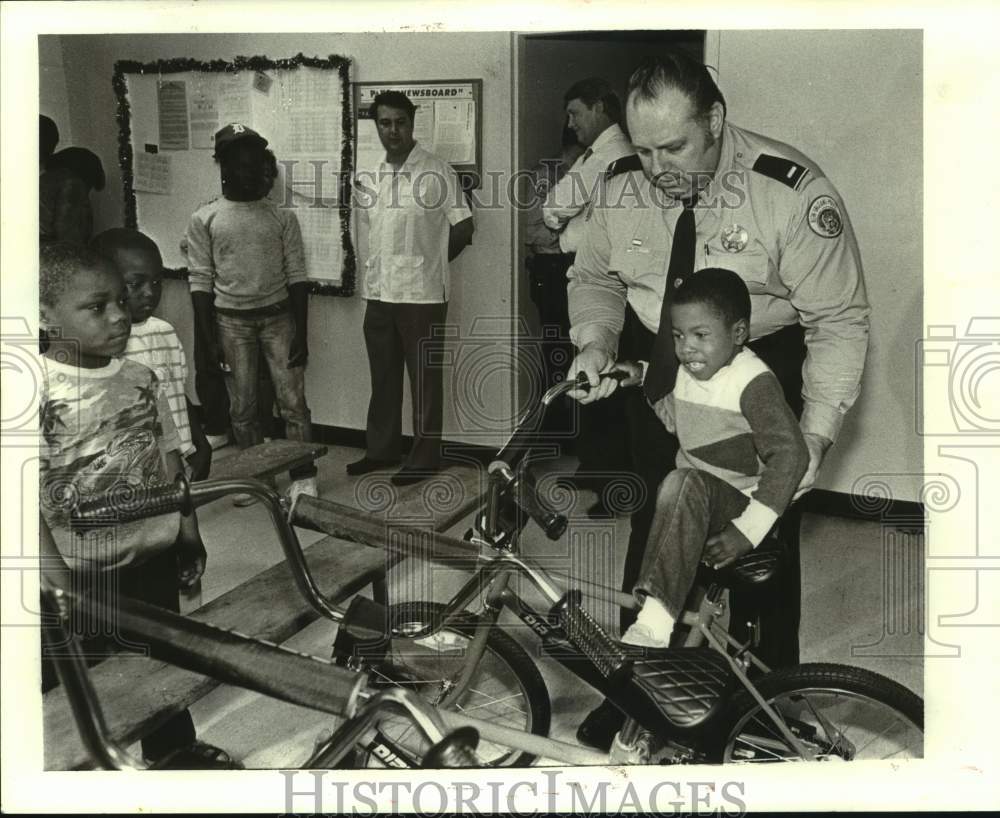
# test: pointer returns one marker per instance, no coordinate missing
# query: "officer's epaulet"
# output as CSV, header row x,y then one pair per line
x,y
624,165
780,169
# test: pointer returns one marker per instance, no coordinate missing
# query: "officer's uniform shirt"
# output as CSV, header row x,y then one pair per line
x,y
769,215
567,202
409,213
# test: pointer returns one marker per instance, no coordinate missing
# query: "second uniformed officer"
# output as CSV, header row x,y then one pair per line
x,y
760,208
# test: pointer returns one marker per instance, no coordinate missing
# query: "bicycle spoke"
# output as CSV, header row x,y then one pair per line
x,y
492,702
746,741
879,735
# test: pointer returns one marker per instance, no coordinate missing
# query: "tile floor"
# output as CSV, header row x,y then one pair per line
x,y
853,611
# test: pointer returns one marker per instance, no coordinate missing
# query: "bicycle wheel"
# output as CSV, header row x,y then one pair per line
x,y
506,689
838,713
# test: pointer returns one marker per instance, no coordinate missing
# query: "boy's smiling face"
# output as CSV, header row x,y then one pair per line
x,y
703,341
143,272
89,323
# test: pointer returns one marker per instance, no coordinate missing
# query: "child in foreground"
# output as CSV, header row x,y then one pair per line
x,y
107,430
741,454
153,341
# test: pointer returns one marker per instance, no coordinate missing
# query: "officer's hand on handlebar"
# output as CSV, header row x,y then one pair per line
x,y
632,370
592,362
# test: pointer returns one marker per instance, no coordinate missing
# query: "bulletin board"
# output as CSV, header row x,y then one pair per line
x,y
448,122
168,113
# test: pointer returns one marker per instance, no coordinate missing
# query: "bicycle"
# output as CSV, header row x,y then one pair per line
x,y
695,703
226,655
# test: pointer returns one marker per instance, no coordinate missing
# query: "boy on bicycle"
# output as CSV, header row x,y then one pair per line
x,y
741,454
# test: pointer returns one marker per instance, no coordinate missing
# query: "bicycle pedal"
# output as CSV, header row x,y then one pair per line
x,y
583,632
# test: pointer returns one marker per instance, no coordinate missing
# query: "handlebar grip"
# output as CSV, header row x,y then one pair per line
x,y
587,636
232,658
132,503
553,524
582,382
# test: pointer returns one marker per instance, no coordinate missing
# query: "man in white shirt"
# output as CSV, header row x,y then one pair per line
x,y
593,112
417,221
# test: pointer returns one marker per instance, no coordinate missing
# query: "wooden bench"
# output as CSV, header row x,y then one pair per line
x,y
138,694
265,460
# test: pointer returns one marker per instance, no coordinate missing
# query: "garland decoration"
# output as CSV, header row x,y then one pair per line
x,y
258,63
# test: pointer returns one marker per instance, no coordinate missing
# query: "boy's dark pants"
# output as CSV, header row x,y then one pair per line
x,y
154,581
210,384
654,452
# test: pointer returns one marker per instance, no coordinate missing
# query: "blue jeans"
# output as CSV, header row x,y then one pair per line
x,y
240,339
691,506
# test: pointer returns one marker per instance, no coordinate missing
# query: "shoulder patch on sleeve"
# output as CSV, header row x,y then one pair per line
x,y
624,165
780,169
824,217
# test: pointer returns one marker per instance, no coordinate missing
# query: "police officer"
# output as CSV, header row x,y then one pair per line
x,y
762,209
593,113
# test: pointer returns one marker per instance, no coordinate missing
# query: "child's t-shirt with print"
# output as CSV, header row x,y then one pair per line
x,y
104,430
154,343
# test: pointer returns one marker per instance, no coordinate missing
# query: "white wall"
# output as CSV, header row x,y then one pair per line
x,y
53,99
849,99
338,383
852,101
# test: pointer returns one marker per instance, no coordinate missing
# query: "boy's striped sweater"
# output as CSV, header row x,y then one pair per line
x,y
737,426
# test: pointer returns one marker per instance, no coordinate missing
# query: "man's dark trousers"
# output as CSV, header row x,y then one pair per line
x,y
409,335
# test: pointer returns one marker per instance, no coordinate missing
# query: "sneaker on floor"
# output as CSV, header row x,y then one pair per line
x,y
642,636
368,464
217,441
601,726
306,486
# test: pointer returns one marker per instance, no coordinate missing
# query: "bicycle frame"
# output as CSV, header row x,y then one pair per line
x,y
359,705
496,571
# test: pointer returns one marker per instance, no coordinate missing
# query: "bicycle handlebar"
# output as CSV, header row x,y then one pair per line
x,y
231,657
182,496
530,423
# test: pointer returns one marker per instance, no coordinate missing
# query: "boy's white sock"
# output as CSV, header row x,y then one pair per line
x,y
652,627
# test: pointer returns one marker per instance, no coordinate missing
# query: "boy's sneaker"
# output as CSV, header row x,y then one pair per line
x,y
306,486
217,441
642,636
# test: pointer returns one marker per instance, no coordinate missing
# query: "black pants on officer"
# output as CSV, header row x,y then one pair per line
x,y
654,452
598,438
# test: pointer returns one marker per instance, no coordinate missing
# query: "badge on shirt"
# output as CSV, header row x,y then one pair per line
x,y
735,238
824,217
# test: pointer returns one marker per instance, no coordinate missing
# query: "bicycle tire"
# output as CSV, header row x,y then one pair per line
x,y
866,715
507,688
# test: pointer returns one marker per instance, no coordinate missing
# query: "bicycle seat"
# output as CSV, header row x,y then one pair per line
x,y
749,572
686,686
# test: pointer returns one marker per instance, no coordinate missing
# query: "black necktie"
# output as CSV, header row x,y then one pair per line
x,y
662,360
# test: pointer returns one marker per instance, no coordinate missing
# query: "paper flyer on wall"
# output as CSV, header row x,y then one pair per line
x,y
152,173
173,115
